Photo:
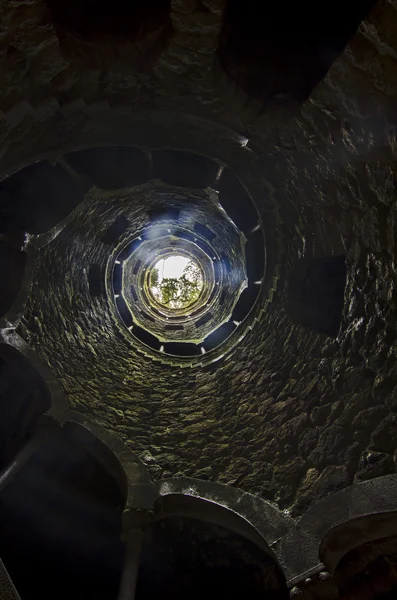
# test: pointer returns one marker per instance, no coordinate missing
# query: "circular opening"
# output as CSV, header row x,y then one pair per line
x,y
176,281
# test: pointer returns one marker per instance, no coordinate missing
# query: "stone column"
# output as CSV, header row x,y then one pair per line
x,y
135,525
44,430
7,589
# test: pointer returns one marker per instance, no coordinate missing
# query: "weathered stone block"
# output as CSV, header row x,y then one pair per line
x,y
374,464
384,438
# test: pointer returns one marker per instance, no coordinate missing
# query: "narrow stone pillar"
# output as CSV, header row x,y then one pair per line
x,y
131,566
135,524
7,589
45,428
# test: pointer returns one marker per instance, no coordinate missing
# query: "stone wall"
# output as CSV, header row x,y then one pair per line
x,y
290,415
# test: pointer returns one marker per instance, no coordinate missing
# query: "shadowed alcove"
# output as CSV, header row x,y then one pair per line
x,y
24,397
255,143
191,558
62,510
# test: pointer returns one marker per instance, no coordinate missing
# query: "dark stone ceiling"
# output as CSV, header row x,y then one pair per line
x,y
306,403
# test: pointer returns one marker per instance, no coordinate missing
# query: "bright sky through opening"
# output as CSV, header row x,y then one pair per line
x,y
171,267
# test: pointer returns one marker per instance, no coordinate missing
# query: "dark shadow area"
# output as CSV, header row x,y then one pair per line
x,y
203,246
279,53
204,231
173,327
316,292
225,263
245,302
93,20
38,197
24,397
181,349
137,267
116,230
145,337
129,249
111,167
217,266
148,317
124,311
95,280
255,256
236,201
204,319
112,35
117,278
369,571
218,336
192,559
12,269
60,521
101,452
184,168
184,235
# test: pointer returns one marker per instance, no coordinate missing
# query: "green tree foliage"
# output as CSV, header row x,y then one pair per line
x,y
169,291
192,273
178,292
154,278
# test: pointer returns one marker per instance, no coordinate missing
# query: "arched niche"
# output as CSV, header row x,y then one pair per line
x,y
253,517
119,18
179,505
24,397
111,167
38,197
334,525
13,261
197,547
344,537
279,54
316,293
115,456
100,452
111,35
367,568
60,522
